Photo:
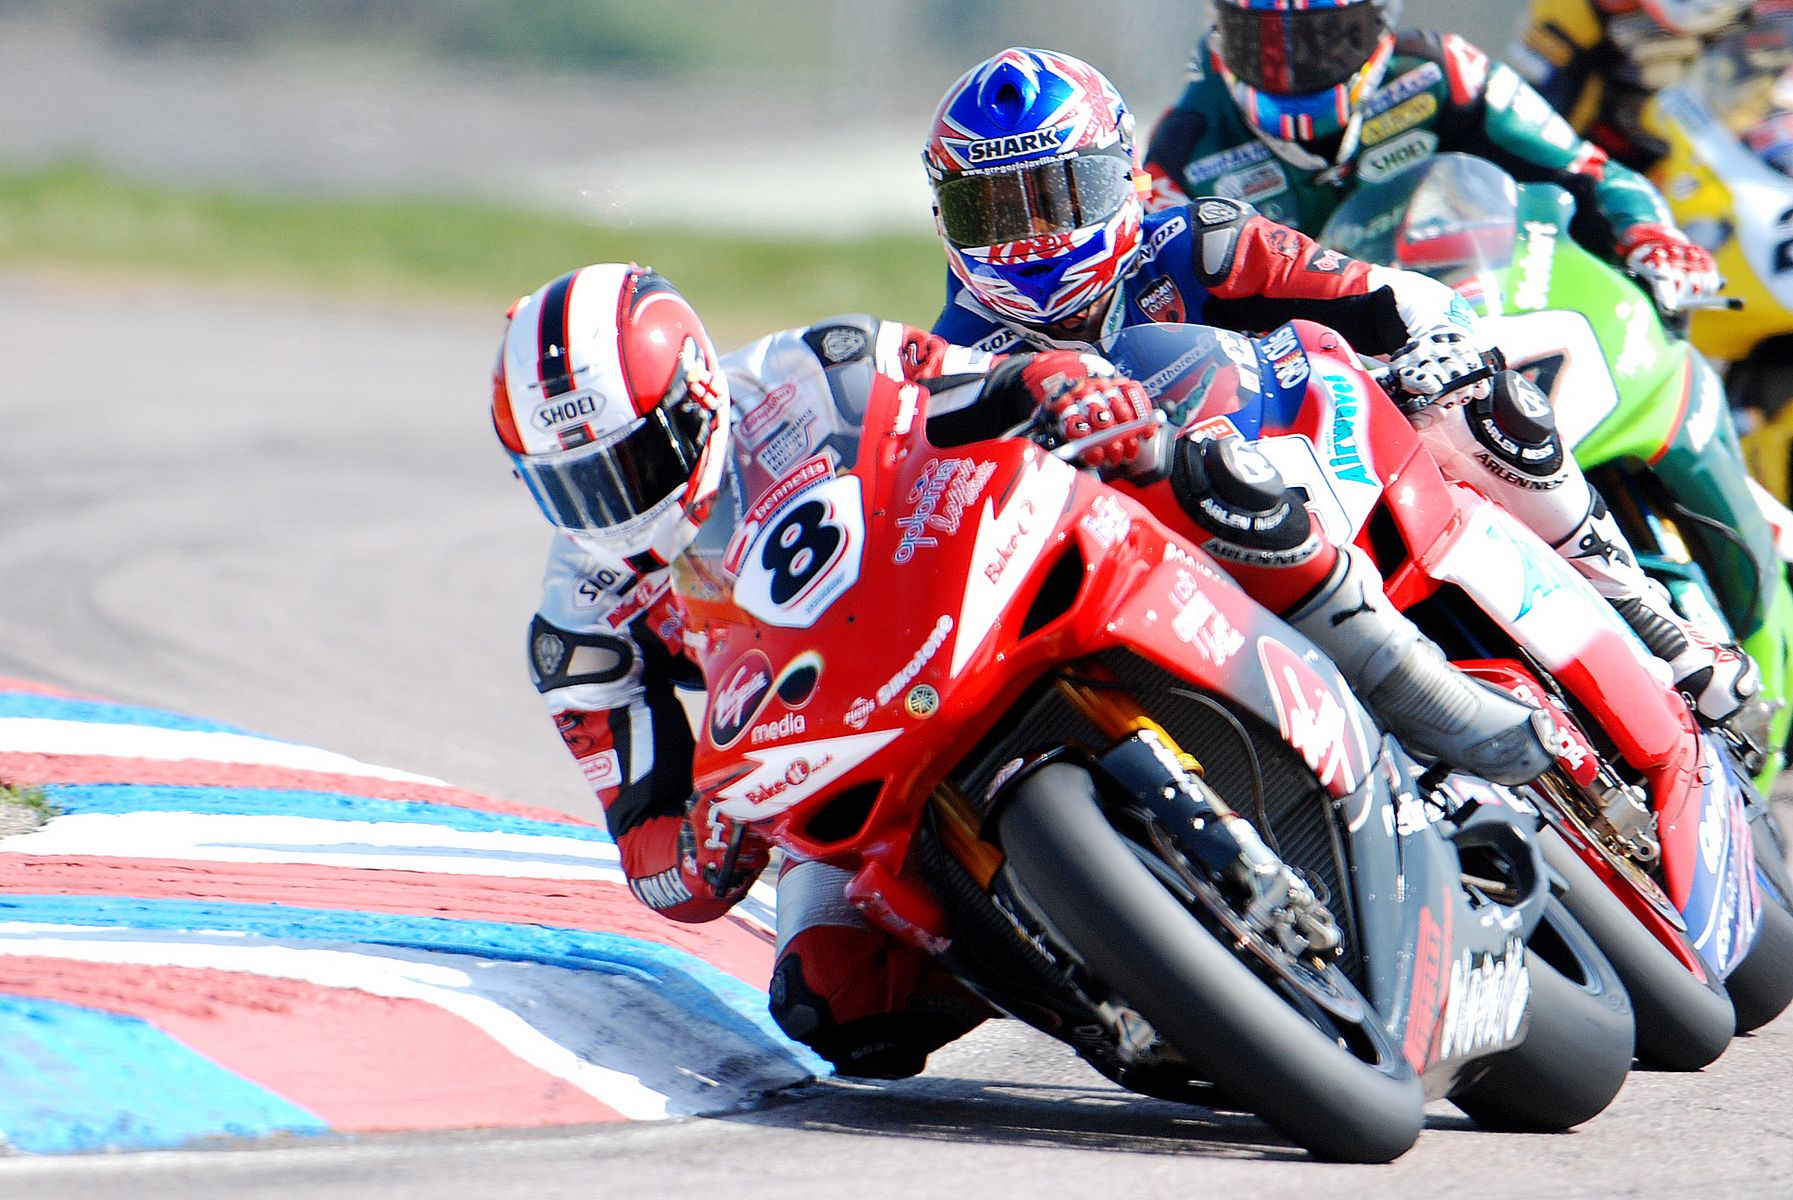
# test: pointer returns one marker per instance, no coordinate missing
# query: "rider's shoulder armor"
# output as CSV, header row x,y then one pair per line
x,y
797,391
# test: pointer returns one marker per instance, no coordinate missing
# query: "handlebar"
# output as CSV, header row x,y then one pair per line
x,y
1035,431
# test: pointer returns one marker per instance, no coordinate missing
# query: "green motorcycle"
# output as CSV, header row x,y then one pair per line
x,y
1645,414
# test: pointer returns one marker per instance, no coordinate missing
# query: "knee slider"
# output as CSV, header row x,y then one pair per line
x,y
1517,426
1233,492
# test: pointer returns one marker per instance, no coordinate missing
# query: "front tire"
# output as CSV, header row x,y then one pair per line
x,y
1084,879
1682,1023
1577,1048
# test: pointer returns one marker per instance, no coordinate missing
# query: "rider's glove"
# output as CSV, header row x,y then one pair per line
x,y
704,853
1676,270
1080,395
1441,366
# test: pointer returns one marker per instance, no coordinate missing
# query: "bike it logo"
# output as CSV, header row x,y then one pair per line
x,y
735,704
1313,721
946,488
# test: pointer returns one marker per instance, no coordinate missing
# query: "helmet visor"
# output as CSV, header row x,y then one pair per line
x,y
1040,199
605,487
1295,52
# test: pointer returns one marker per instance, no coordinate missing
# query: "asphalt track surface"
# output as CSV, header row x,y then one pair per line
x,y
290,515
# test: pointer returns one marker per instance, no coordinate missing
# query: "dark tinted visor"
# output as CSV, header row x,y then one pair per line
x,y
995,207
1298,51
608,486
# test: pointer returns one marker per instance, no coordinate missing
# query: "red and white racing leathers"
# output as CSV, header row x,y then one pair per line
x,y
606,651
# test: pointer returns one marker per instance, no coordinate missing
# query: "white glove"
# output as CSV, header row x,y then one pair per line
x,y
1427,368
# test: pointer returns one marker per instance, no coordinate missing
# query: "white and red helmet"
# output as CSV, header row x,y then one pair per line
x,y
608,396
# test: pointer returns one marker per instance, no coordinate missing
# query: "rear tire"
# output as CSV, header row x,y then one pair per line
x,y
1682,1024
1577,1048
1762,985
1139,939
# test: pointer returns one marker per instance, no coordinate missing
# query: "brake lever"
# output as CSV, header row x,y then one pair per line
x,y
1149,424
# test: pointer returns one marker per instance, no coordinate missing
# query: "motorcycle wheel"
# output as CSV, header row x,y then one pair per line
x,y
1682,1024
1577,1048
1762,985
1138,938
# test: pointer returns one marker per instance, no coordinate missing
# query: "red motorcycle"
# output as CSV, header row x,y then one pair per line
x,y
1659,855
1060,750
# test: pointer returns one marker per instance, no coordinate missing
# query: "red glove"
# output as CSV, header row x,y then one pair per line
x,y
1082,394
704,853
1675,269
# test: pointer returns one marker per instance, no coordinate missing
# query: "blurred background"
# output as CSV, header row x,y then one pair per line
x,y
255,256
763,153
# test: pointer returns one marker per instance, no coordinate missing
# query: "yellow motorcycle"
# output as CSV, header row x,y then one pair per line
x,y
1728,178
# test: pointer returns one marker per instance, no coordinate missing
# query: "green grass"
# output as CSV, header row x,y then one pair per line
x,y
33,798
407,248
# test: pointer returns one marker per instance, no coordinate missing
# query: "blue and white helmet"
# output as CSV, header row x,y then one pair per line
x,y
1036,192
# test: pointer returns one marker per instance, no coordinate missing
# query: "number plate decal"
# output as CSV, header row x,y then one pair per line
x,y
805,556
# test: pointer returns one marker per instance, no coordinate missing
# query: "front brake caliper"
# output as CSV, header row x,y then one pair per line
x,y
1273,899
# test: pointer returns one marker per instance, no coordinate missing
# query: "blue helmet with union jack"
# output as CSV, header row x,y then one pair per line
x,y
1300,70
1036,192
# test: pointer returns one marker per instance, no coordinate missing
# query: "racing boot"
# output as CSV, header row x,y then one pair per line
x,y
1402,677
1718,679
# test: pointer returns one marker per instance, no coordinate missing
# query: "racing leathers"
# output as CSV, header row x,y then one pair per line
x,y
607,653
1599,62
1440,94
1217,262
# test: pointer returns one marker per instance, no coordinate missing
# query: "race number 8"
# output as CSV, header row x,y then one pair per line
x,y
806,556
799,548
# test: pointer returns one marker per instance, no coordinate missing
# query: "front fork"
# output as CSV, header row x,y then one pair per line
x,y
1147,767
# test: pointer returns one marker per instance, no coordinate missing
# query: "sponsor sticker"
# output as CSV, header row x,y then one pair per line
x,y
1201,624
1162,302
1401,117
1107,521
566,410
931,646
603,770
938,500
785,775
776,401
1393,157
1253,184
647,593
1344,458
1487,1001
789,725
1313,721
734,704
785,445
801,478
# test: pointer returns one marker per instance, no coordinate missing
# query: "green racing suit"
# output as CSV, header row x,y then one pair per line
x,y
1440,93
